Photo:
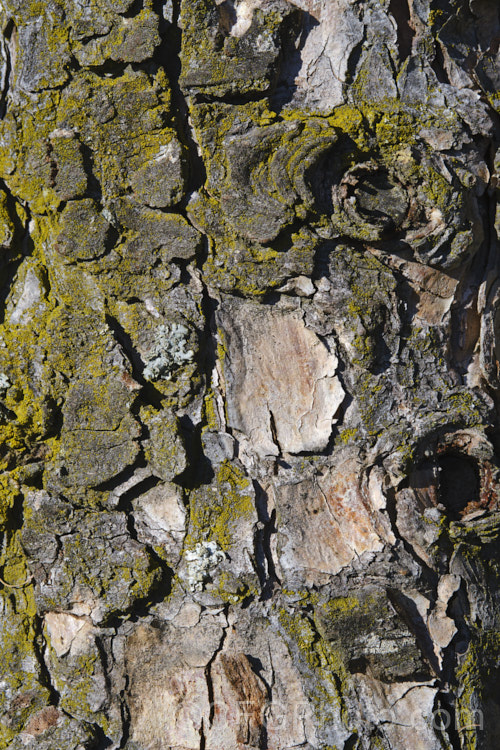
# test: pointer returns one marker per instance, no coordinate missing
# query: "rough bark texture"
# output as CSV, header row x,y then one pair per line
x,y
249,375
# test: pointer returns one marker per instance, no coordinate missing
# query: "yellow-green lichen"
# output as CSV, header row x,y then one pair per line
x,y
216,511
23,692
325,662
477,676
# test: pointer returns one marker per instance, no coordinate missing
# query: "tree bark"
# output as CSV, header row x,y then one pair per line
x,y
249,376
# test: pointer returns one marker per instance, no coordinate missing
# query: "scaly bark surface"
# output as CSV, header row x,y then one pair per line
x,y
249,375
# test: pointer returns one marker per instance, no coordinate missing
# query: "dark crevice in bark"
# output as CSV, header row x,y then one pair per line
x,y
135,492
355,57
491,196
234,99
199,470
102,741
14,520
94,189
39,644
428,574
8,68
149,393
352,742
125,715
258,668
266,569
444,708
484,261
208,674
122,477
459,610
274,432
162,588
407,610
134,9
291,65
53,164
168,56
107,69
22,247
203,739
438,65
400,11
141,608
101,650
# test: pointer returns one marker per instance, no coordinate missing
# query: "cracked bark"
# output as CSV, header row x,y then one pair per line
x,y
249,379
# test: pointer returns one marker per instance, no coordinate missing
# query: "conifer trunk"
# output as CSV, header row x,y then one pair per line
x,y
249,375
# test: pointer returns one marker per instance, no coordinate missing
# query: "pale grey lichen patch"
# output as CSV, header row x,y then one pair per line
x,y
4,384
168,353
201,562
28,294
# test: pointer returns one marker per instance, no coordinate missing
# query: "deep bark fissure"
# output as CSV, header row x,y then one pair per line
x,y
401,13
9,30
208,677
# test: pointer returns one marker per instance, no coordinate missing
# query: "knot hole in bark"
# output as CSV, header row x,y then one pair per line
x,y
458,484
